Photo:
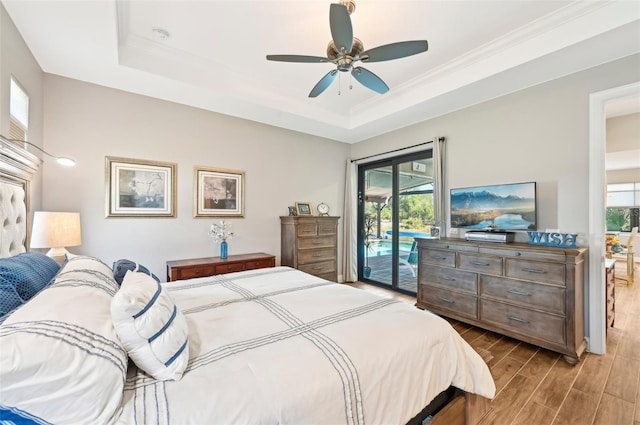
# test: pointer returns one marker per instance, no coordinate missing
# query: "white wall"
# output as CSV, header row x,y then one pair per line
x,y
89,122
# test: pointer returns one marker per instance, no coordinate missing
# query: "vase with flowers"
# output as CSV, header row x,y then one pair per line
x,y
612,245
220,232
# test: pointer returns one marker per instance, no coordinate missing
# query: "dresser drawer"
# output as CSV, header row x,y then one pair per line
x,y
259,264
528,294
531,253
455,302
438,257
315,255
307,229
325,229
535,270
318,268
450,279
317,242
199,271
477,263
531,323
229,268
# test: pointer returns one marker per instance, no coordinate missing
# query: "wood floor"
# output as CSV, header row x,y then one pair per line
x,y
536,386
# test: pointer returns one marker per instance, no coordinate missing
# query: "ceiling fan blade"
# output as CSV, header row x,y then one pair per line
x,y
394,51
369,80
341,29
323,83
297,58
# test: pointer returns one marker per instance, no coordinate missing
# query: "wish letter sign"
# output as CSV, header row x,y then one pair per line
x,y
561,240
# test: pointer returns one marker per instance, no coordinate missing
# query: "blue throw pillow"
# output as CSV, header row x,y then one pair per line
x,y
24,275
15,416
121,267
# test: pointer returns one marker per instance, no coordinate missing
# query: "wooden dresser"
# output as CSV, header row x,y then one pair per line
x,y
531,293
610,282
310,244
201,267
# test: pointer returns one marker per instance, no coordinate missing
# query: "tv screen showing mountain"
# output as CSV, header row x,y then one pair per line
x,y
498,207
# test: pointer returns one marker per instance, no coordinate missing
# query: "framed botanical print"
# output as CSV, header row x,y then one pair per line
x,y
218,192
140,188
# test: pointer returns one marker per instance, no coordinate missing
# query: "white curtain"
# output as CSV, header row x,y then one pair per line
x,y
350,224
439,186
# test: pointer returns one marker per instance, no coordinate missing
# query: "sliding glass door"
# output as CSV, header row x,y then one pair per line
x,y
395,207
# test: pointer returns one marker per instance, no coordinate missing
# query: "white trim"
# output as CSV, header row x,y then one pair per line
x,y
595,290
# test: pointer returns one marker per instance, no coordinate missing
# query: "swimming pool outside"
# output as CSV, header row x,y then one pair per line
x,y
407,234
383,247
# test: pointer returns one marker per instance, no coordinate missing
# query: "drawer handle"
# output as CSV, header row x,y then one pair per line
x,y
517,319
438,258
317,243
317,256
524,294
518,254
478,263
538,271
317,268
447,300
448,279
308,231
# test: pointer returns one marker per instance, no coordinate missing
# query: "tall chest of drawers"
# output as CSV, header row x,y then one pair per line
x,y
310,244
531,293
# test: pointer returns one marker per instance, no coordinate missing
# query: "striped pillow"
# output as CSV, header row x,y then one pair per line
x,y
60,358
150,326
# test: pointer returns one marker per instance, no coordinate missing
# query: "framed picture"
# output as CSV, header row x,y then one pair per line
x,y
140,188
218,192
304,208
293,211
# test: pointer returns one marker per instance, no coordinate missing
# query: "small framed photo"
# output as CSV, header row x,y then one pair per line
x,y
435,232
304,208
218,192
293,211
140,188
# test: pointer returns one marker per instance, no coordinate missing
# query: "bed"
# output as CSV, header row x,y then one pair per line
x,y
101,346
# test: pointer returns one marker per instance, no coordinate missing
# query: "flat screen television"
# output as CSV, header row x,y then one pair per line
x,y
498,207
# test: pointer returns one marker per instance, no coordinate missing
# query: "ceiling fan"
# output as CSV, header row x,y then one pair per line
x,y
345,49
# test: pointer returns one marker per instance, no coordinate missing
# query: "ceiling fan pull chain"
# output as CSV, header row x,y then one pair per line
x,y
339,83
350,82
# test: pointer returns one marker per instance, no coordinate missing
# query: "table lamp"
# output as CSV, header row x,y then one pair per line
x,y
56,230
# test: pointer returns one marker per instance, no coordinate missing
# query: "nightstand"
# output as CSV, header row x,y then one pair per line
x,y
201,267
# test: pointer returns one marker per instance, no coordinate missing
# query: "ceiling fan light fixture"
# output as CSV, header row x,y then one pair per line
x,y
333,54
344,49
350,5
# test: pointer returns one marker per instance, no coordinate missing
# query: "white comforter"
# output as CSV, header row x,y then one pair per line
x,y
278,346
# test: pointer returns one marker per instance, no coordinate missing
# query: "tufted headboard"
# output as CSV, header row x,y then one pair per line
x,y
17,167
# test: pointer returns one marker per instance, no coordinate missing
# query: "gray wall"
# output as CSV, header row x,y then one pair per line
x,y
539,134
90,122
16,60
623,135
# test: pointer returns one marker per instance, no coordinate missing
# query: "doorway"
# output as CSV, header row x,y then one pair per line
x,y
596,283
395,206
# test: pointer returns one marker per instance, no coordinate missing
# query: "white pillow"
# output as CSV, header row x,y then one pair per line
x,y
151,327
60,358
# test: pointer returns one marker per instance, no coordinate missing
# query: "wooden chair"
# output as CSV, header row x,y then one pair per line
x,y
628,255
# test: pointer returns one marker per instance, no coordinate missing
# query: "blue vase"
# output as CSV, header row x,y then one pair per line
x,y
224,250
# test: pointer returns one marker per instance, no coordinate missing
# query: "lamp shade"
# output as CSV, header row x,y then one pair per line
x,y
56,230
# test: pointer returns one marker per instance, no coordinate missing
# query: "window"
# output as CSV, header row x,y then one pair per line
x,y
18,111
623,206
